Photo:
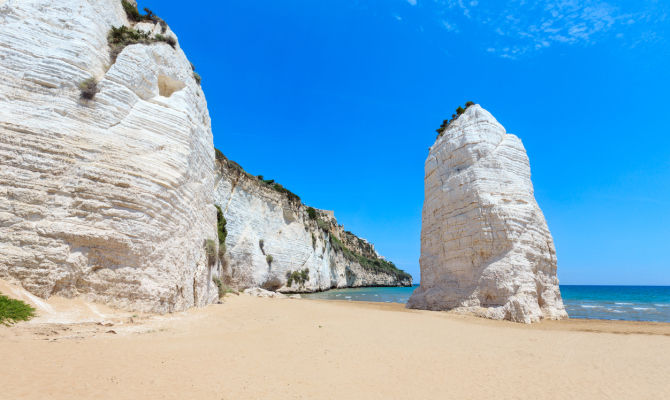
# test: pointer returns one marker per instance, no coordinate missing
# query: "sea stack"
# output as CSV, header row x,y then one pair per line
x,y
485,245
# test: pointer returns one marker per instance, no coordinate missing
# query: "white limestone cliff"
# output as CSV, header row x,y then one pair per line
x,y
485,245
263,222
108,198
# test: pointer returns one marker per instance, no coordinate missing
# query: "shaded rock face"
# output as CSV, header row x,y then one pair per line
x,y
265,224
485,245
108,198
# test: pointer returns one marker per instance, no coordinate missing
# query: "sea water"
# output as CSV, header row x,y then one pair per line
x,y
634,303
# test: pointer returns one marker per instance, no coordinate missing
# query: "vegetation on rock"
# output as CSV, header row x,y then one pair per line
x,y
298,277
377,265
459,111
269,259
135,16
311,212
221,231
119,38
222,287
88,89
12,310
210,250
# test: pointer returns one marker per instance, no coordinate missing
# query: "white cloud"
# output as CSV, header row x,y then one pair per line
x,y
517,27
449,26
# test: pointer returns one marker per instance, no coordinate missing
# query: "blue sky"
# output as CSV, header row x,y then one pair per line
x,y
339,101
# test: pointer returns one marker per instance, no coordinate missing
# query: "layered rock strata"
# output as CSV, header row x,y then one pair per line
x,y
110,197
485,245
273,242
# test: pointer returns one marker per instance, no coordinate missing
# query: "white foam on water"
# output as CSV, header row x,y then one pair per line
x,y
587,306
624,304
347,297
643,308
662,305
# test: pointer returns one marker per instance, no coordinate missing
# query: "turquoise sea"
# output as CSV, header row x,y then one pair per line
x,y
634,303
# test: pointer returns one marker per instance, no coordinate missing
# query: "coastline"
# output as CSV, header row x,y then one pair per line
x,y
251,347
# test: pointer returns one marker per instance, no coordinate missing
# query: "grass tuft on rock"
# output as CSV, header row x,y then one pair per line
x,y
88,89
210,250
223,288
12,311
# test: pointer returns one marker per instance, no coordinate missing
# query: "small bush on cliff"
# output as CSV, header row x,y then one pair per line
x,y
135,16
323,225
131,11
311,212
298,277
119,38
221,231
88,89
12,311
261,243
222,287
269,259
210,250
197,77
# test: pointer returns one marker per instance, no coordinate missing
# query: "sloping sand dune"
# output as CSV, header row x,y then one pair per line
x,y
251,348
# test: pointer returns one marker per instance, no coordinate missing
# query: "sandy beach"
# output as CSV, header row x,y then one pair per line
x,y
255,348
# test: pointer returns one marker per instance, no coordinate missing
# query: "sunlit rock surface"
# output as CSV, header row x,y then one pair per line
x,y
485,245
271,235
109,198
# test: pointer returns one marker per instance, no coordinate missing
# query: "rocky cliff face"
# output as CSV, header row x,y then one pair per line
x,y
111,197
485,245
273,242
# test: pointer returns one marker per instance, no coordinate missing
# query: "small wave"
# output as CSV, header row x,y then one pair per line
x,y
586,306
624,304
643,308
347,297
662,305
615,311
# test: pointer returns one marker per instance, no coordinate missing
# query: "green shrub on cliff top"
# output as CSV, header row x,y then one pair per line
x,y
119,38
459,111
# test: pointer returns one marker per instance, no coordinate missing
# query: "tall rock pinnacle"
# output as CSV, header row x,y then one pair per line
x,y
485,245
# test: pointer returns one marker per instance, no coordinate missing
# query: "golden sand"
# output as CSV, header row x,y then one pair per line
x,y
252,348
